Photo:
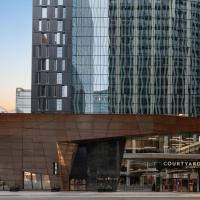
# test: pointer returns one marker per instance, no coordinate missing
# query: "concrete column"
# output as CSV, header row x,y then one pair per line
x,y
127,180
133,146
166,145
161,183
128,173
141,181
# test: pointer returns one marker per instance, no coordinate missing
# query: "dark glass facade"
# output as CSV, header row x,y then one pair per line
x,y
144,53
90,54
51,56
100,101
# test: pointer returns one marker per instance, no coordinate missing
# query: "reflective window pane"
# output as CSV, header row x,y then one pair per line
x,y
59,25
64,91
59,52
59,104
60,2
46,182
59,78
27,181
36,180
44,12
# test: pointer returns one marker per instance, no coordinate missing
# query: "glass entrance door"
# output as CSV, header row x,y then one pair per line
x,y
179,180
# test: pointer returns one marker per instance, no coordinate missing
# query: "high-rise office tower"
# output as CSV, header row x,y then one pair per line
x,y
23,100
51,61
143,53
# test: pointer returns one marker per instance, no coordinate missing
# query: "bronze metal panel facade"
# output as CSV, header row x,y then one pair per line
x,y
32,142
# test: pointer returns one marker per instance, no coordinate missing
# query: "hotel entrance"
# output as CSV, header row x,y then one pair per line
x,y
179,180
151,176
168,163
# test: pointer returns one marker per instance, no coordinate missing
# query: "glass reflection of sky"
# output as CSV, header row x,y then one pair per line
x,y
90,51
101,43
134,46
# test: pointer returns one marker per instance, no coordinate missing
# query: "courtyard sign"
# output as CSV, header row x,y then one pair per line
x,y
180,164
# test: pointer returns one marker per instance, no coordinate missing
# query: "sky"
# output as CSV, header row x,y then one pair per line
x,y
15,49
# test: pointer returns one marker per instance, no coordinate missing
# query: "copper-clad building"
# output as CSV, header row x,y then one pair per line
x,y
88,152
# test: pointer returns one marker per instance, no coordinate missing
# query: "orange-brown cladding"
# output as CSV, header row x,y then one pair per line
x,y
70,127
32,142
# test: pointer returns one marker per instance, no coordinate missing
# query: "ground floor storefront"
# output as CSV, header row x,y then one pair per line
x,y
147,176
168,163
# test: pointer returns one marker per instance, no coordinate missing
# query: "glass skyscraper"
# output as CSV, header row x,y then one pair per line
x,y
144,55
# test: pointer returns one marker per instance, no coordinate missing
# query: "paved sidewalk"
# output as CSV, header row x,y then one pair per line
x,y
97,196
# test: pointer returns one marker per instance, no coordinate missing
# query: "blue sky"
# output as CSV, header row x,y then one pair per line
x,y
15,49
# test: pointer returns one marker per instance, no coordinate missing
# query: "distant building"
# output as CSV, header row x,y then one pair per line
x,y
23,100
100,100
3,110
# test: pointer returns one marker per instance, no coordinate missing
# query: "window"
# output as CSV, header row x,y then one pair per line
x,y
59,25
42,104
48,26
36,181
59,78
64,13
39,104
55,65
37,52
47,77
64,91
46,182
44,64
63,65
40,25
56,12
48,2
27,181
59,105
47,64
59,52
42,91
46,104
44,38
41,2
44,12
63,38
49,91
60,2
47,51
57,38
54,89
38,77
